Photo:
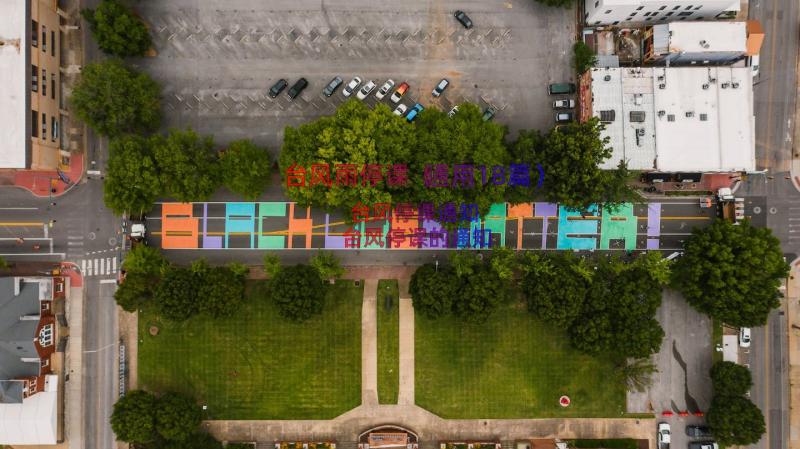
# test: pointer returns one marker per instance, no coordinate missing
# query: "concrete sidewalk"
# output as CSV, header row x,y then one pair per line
x,y
369,344
406,393
793,326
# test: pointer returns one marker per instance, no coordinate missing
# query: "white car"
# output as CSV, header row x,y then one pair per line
x,y
387,86
663,434
400,110
440,87
754,63
362,94
351,86
744,337
563,104
452,111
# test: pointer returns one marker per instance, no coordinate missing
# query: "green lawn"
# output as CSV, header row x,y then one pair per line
x,y
388,342
511,366
257,365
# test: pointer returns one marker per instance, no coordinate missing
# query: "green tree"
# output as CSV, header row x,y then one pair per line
x,y
732,272
583,57
298,291
504,262
220,291
570,157
177,417
480,295
4,264
245,168
355,134
115,100
117,30
465,142
147,260
465,262
187,165
562,305
135,292
272,264
734,420
132,182
327,264
730,378
197,440
133,418
636,374
433,291
176,294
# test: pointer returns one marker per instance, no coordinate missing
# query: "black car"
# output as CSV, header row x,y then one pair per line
x,y
332,86
277,88
698,431
297,87
463,19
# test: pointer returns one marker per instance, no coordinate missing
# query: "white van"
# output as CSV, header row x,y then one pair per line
x,y
754,62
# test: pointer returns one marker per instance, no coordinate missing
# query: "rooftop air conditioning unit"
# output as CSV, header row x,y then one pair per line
x,y
705,86
689,114
712,80
662,86
725,85
661,77
607,78
662,113
735,85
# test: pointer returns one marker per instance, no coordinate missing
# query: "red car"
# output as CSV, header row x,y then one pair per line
x,y
398,94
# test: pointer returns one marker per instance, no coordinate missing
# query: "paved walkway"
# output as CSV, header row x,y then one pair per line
x,y
369,344
406,393
793,319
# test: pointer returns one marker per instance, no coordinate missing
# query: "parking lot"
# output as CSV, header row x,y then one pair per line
x,y
216,59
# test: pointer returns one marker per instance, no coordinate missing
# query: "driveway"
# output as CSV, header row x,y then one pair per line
x,y
682,382
217,58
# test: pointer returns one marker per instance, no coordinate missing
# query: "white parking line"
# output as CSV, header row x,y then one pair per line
x,y
102,266
83,267
114,263
94,262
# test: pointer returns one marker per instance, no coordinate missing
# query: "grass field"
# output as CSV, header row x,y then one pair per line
x,y
257,365
511,366
388,342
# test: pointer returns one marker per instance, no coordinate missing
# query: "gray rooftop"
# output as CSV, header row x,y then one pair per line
x,y
19,317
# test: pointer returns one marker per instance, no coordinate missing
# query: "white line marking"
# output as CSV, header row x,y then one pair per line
x,y
74,243
83,266
19,208
74,237
108,266
108,281
94,262
102,266
114,263
61,255
100,349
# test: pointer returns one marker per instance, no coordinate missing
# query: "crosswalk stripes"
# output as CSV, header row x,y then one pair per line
x,y
99,266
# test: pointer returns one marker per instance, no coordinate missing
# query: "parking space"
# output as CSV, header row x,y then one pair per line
x,y
682,382
217,59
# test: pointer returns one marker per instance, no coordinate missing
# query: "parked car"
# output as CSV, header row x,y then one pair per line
x,y
452,111
698,431
563,104
663,435
277,88
463,19
400,109
351,86
398,94
704,445
564,117
369,87
332,86
561,88
754,63
440,87
489,113
387,86
297,87
412,114
744,337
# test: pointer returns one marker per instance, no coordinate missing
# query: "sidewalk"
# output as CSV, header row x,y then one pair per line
x,y
44,183
793,328
73,361
369,344
406,393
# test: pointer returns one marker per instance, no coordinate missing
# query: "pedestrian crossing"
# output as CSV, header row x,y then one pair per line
x,y
99,266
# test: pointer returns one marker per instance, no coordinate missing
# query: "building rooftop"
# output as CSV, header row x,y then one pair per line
x,y
34,420
700,37
13,80
694,119
19,318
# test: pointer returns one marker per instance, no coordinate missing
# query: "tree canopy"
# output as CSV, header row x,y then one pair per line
x,y
117,30
562,305
735,420
176,294
147,260
245,168
732,272
132,181
187,165
433,291
558,3
729,378
115,100
133,418
220,290
135,292
327,264
298,291
177,417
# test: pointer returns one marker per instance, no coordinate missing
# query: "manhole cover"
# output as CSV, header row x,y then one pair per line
x,y
92,236
773,210
112,241
756,210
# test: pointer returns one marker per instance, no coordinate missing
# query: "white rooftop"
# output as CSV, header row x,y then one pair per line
x,y
734,4
13,84
33,421
699,37
697,119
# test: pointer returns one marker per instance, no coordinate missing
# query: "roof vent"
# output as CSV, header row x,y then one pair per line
x,y
725,85
607,78
712,80
703,117
689,114
662,86
640,132
735,85
661,77
704,43
662,113
705,86
671,117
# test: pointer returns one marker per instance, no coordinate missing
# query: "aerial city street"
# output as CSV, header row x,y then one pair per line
x,y
435,224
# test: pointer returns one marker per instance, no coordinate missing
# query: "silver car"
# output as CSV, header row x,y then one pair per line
x,y
351,86
387,86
